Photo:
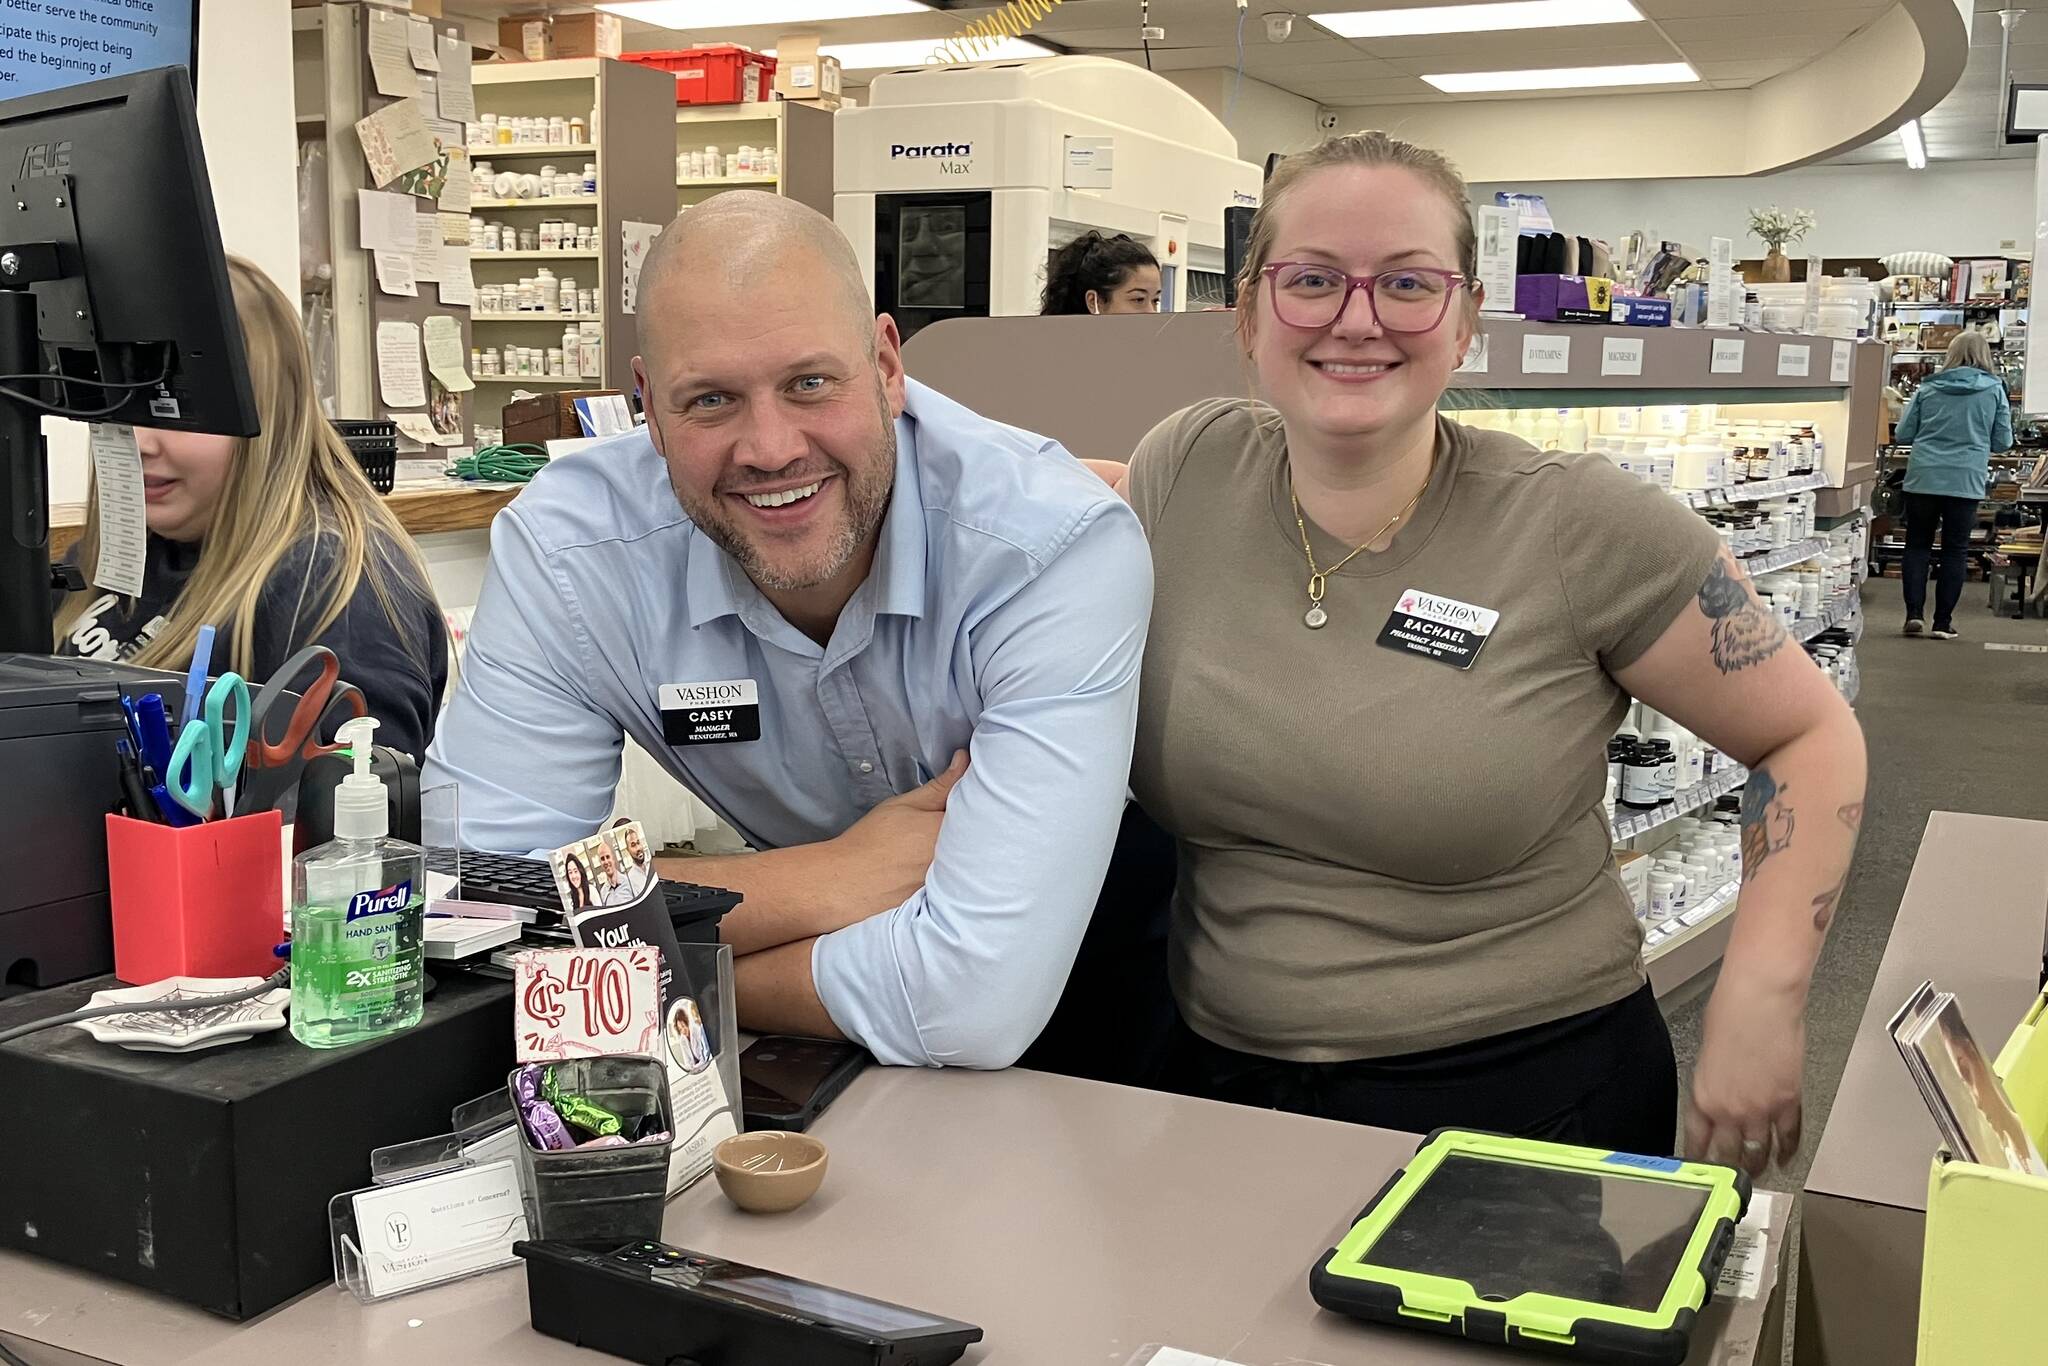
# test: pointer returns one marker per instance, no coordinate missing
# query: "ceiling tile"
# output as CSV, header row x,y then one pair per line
x,y
1507,57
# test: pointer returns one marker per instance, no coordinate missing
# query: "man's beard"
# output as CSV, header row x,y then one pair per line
x,y
867,502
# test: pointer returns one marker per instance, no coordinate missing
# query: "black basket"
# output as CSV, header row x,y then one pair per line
x,y
375,447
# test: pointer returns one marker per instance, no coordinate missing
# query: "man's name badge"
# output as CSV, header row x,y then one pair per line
x,y
710,713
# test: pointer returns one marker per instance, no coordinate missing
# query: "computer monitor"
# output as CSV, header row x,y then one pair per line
x,y
113,283
55,45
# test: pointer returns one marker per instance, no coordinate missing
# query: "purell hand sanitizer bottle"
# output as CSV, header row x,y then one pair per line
x,y
358,907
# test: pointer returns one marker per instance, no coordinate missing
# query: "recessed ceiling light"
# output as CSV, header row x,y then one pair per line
x,y
1563,77
687,14
916,51
1914,143
1509,14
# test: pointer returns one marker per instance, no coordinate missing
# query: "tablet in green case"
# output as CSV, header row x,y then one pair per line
x,y
1577,1252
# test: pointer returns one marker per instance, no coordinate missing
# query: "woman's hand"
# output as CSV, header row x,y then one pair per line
x,y
1744,1110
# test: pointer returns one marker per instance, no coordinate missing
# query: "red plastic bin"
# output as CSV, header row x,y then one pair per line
x,y
723,74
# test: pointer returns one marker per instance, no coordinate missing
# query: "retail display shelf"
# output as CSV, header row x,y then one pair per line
x,y
688,182
1750,493
532,149
1766,561
1855,687
1661,938
1831,616
726,113
536,379
553,201
536,316
1633,823
533,256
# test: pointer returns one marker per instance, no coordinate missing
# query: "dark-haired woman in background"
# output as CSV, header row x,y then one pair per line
x,y
1097,274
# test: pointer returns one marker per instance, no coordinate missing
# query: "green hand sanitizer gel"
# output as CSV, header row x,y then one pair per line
x,y
358,912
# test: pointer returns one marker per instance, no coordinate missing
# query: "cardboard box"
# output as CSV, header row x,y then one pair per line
x,y
231,1154
802,73
546,417
1635,876
542,37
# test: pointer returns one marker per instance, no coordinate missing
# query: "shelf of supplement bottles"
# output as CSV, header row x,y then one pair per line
x,y
1833,615
1629,823
1662,937
1734,494
1767,561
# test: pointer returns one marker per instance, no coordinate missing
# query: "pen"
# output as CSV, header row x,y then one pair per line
x,y
195,681
154,732
134,793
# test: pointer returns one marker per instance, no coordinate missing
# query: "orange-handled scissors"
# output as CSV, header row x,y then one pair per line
x,y
307,692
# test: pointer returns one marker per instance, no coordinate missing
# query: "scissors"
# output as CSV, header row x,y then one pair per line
x,y
306,693
211,747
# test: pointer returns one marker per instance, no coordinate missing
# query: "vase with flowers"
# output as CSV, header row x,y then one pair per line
x,y
1775,228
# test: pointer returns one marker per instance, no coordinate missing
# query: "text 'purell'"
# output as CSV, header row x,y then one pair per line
x,y
396,897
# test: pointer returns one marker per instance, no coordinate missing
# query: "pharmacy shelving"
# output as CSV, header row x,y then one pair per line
x,y
1661,938
1735,494
1834,614
799,133
1784,557
627,109
1628,824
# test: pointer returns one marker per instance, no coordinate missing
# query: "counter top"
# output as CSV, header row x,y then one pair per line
x,y
421,510
1073,1221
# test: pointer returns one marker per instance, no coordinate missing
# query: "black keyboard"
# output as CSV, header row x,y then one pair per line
x,y
512,880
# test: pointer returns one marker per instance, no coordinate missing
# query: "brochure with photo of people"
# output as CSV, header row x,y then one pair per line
x,y
1977,1120
612,898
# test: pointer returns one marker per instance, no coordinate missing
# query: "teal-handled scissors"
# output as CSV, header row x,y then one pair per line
x,y
210,748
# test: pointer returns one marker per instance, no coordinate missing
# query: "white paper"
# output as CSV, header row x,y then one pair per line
x,y
703,1117
1838,366
394,273
426,247
438,1226
1720,282
458,95
1727,358
395,139
419,37
455,190
458,286
1813,283
1793,360
419,429
1174,1356
1621,355
124,524
1742,1275
400,378
636,239
445,356
385,220
390,53
1499,234
605,415
1475,356
1545,354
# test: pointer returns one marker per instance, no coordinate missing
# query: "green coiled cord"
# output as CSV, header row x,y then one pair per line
x,y
501,464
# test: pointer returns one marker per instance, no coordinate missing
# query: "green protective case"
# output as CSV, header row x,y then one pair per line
x,y
1344,1282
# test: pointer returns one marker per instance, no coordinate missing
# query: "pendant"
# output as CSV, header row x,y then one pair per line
x,y
1315,617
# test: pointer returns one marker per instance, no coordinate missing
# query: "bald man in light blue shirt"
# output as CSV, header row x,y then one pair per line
x,y
807,587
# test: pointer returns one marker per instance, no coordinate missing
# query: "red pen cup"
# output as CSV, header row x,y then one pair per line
x,y
203,901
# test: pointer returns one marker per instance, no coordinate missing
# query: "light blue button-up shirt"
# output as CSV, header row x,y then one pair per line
x,y
1005,614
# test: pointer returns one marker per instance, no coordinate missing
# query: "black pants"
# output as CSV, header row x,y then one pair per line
x,y
1602,1079
1956,517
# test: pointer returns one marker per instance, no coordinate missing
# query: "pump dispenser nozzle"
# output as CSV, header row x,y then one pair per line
x,y
362,808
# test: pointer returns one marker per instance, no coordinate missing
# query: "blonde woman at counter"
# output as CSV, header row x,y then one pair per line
x,y
1386,655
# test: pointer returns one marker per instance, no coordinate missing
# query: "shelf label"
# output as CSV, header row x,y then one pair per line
x,y
1838,367
1727,358
1544,354
1793,360
1621,355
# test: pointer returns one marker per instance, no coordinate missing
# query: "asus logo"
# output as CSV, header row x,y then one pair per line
x,y
46,159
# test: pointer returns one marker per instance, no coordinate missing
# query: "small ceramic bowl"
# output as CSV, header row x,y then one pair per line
x,y
769,1172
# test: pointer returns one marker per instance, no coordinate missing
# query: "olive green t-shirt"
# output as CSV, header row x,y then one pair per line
x,y
1380,852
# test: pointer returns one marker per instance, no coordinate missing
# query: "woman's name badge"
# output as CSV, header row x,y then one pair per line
x,y
1443,629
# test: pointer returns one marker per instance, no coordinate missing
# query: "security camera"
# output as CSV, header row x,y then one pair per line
x,y
1278,27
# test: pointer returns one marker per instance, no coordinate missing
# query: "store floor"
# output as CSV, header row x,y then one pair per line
x,y
1951,726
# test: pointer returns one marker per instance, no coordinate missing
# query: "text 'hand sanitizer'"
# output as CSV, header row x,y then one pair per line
x,y
358,913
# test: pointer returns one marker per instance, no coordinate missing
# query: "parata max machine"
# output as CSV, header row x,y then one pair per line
x,y
957,182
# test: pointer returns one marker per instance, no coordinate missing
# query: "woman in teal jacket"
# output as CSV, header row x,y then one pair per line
x,y
1957,418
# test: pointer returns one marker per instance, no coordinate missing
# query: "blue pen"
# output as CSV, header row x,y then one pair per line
x,y
174,814
195,681
155,728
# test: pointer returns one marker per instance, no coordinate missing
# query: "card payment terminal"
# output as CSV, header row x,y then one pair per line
x,y
669,1306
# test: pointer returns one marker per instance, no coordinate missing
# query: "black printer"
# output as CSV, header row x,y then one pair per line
x,y
59,777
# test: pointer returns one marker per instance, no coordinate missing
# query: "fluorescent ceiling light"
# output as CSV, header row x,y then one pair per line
x,y
1915,145
687,14
1508,14
1563,77
914,52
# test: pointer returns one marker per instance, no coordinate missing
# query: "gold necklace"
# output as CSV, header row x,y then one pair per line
x,y
1318,579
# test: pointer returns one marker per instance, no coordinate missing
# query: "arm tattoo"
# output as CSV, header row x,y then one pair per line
x,y
1824,904
1766,821
1851,816
1744,633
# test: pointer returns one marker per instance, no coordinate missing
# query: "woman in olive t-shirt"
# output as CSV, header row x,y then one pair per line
x,y
1386,655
